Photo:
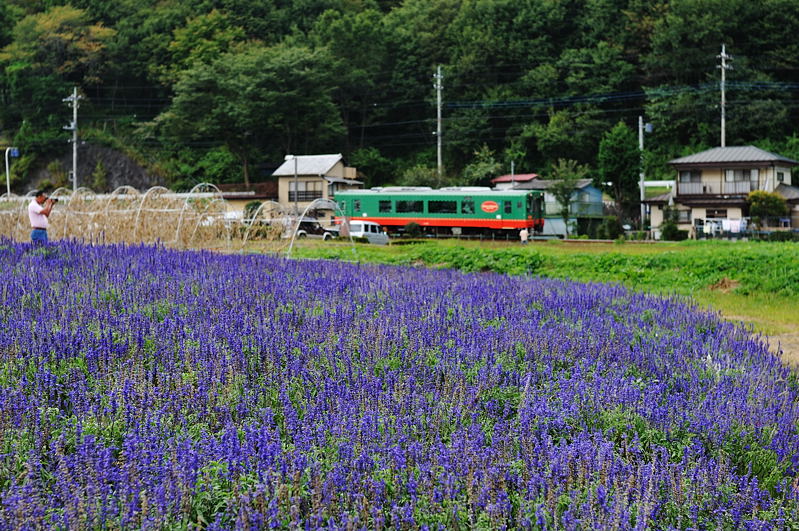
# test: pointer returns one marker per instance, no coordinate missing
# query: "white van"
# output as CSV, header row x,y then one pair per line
x,y
370,230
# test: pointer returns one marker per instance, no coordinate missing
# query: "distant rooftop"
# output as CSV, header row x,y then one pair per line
x,y
790,193
517,178
543,184
308,165
732,154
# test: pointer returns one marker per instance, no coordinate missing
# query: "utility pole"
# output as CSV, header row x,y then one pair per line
x,y
642,127
73,126
438,77
296,185
513,174
724,67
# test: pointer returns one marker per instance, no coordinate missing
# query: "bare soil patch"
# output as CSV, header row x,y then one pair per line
x,y
725,285
789,344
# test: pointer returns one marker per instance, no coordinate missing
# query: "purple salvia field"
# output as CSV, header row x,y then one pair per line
x,y
147,388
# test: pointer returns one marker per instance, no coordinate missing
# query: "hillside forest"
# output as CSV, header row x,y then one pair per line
x,y
222,90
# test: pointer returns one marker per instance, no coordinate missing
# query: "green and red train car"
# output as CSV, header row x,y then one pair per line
x,y
448,211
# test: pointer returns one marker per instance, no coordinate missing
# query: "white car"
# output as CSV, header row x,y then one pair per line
x,y
367,229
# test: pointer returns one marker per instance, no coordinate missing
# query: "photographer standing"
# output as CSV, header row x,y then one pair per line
x,y
38,211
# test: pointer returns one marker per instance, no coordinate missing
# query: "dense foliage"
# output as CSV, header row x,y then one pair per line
x,y
767,205
147,388
526,81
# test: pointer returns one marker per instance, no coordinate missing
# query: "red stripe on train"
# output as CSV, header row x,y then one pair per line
x,y
452,222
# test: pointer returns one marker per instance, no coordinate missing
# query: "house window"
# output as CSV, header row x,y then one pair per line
x,y
691,176
780,176
442,207
683,216
738,176
410,206
716,213
467,205
384,206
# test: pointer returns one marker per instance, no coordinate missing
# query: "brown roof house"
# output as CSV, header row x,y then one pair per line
x,y
304,178
237,195
508,182
712,186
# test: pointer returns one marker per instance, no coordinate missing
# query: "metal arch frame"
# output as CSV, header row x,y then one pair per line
x,y
186,204
119,192
22,211
152,190
71,209
316,203
202,216
123,192
13,212
58,193
255,216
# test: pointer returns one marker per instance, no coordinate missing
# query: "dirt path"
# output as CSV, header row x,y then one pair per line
x,y
789,343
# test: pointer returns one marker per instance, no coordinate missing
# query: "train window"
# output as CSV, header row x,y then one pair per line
x,y
410,206
384,206
442,207
357,206
467,205
508,207
518,204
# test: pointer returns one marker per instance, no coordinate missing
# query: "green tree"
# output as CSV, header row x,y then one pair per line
x,y
566,174
483,167
50,51
357,44
766,205
60,41
419,175
618,168
275,99
372,166
572,131
100,178
202,40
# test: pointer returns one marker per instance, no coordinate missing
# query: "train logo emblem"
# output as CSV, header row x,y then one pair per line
x,y
489,206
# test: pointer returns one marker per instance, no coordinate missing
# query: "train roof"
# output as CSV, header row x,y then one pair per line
x,y
423,191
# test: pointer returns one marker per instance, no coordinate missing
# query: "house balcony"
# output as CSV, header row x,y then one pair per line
x,y
304,196
724,188
741,187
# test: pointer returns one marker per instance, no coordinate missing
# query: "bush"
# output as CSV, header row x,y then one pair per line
x,y
250,209
609,229
413,230
783,236
670,232
766,205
